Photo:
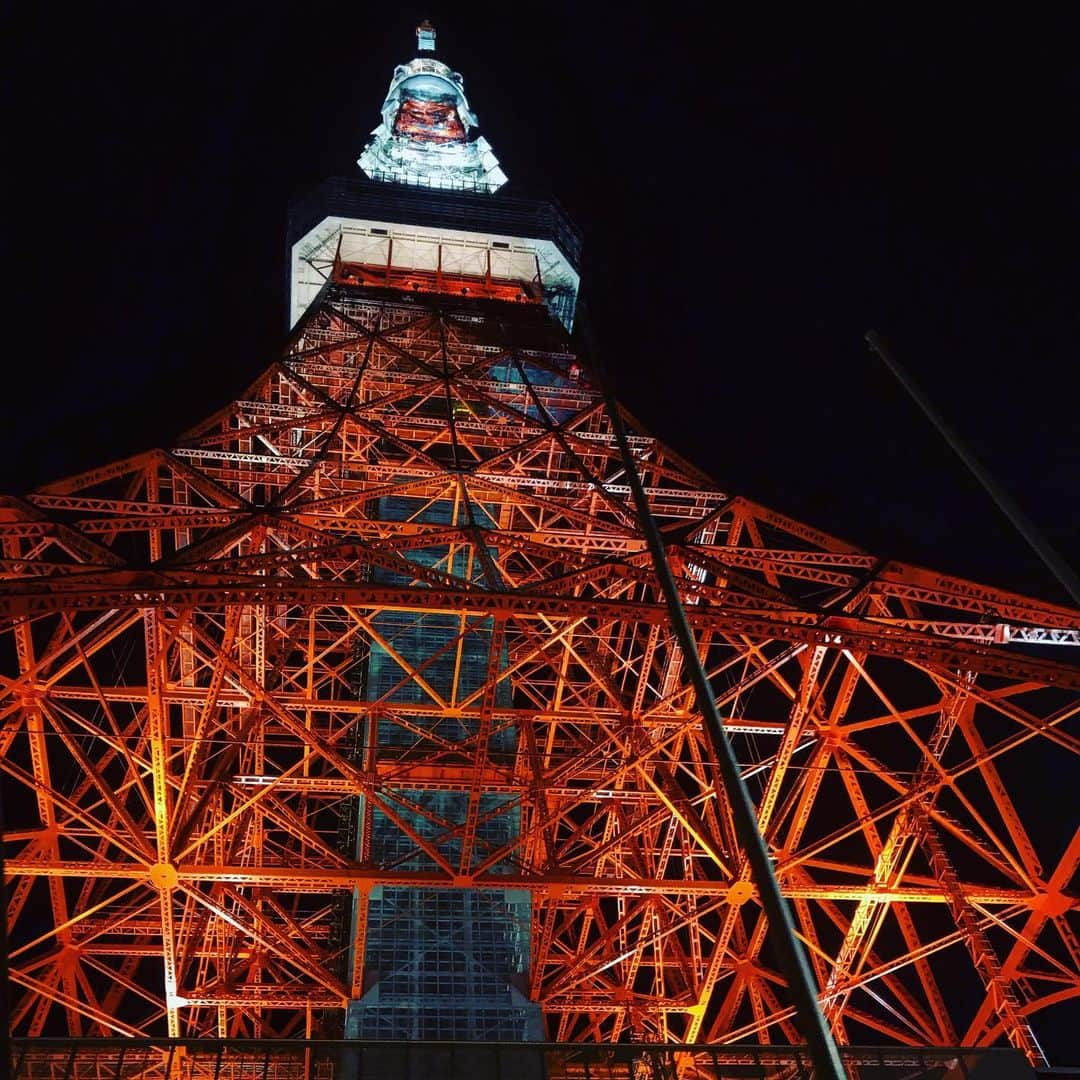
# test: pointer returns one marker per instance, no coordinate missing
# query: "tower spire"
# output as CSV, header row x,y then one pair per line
x,y
425,37
428,135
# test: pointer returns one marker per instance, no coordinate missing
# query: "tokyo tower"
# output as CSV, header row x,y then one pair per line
x,y
357,711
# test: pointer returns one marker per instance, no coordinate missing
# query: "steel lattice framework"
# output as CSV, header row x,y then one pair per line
x,y
182,730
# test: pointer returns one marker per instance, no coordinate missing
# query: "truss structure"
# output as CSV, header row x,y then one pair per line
x,y
198,763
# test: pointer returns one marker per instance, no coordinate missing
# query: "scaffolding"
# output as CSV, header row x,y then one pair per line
x,y
438,964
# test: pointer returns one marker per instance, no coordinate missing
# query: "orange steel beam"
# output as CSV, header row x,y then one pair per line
x,y
181,734
149,589
559,886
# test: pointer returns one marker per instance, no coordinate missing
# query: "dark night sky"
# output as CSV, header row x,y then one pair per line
x,y
754,196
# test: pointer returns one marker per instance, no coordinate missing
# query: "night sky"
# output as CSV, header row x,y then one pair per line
x,y
754,196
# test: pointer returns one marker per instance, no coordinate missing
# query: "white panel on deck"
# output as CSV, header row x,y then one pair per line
x,y
382,243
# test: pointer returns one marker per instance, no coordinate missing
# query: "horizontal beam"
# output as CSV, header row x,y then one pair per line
x,y
134,589
231,697
551,886
272,997
59,1051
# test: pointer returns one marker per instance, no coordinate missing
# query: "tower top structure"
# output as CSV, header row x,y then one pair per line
x,y
425,37
428,213
428,137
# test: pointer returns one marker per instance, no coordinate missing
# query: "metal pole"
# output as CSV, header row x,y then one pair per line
x,y
823,1052
1057,566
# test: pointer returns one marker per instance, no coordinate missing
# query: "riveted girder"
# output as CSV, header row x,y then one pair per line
x,y
188,730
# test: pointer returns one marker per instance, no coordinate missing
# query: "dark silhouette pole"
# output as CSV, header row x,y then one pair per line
x,y
815,1030
1021,522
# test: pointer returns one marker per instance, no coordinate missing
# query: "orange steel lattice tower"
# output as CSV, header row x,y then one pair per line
x,y
210,796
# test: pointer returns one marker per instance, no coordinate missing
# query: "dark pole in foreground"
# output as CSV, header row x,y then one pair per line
x,y
1021,522
819,1039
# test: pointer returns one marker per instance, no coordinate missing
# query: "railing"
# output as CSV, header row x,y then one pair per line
x,y
283,1059
531,215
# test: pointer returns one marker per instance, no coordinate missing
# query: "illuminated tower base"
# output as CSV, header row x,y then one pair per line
x,y
358,710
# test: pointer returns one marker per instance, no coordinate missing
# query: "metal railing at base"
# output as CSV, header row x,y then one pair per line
x,y
283,1059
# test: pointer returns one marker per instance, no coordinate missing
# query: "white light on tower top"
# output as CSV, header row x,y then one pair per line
x,y
425,37
426,138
